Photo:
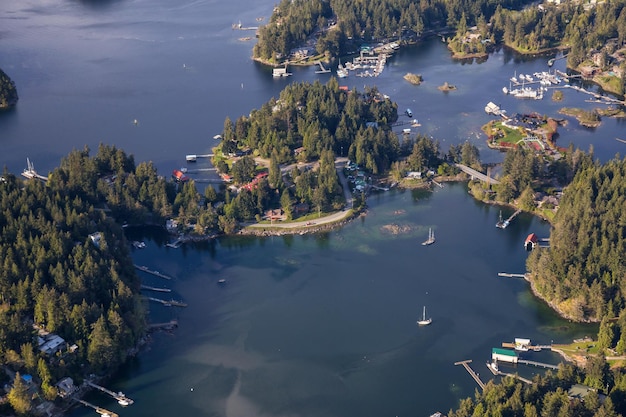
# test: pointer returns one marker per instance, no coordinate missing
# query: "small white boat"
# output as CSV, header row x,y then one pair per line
x,y
424,321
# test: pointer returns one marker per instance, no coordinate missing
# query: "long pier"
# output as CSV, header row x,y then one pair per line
x,y
119,396
199,170
103,412
167,303
473,374
149,271
506,274
149,288
538,364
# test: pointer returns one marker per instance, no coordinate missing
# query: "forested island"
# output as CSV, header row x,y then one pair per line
x,y
8,92
593,34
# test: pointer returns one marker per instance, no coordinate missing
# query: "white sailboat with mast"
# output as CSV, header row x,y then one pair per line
x,y
431,238
424,321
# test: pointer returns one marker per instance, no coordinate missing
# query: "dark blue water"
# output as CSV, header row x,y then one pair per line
x,y
305,325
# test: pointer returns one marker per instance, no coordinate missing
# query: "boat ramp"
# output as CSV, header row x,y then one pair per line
x,y
103,412
149,271
121,398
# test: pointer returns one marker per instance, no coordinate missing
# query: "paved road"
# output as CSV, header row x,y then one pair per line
x,y
340,163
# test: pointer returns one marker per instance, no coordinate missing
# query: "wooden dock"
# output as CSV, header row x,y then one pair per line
x,y
167,303
170,325
322,70
473,374
149,271
149,288
506,274
538,364
122,399
103,412
493,367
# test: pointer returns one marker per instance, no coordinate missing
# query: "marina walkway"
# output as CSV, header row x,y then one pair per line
x,y
119,396
149,271
473,374
538,364
478,175
101,411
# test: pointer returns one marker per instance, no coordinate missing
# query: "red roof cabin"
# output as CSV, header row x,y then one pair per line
x,y
179,176
531,241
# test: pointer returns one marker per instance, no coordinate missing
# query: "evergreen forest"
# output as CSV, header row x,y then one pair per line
x,y
8,92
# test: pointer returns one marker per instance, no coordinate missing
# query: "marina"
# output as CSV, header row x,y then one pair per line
x,y
149,271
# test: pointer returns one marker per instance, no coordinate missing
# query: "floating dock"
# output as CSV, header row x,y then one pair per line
x,y
473,374
538,364
493,367
194,157
119,396
507,275
167,303
322,70
149,271
103,412
170,325
149,288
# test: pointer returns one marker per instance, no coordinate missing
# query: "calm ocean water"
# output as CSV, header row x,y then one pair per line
x,y
305,325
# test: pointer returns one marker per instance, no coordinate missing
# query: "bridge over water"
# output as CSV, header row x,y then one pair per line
x,y
478,175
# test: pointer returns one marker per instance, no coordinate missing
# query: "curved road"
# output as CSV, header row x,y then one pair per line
x,y
340,163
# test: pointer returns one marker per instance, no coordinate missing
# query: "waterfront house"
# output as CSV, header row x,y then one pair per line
x,y
66,387
96,238
504,355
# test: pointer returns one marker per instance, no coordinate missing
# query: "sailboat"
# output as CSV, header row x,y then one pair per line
x,y
431,238
424,321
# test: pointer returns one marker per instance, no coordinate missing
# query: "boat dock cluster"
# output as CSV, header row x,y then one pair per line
x,y
509,354
523,84
368,59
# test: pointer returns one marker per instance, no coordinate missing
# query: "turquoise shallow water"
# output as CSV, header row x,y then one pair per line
x,y
326,324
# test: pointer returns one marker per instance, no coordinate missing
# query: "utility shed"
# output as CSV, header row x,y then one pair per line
x,y
504,355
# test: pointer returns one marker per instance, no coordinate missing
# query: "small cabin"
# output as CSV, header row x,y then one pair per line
x,y
531,241
504,355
